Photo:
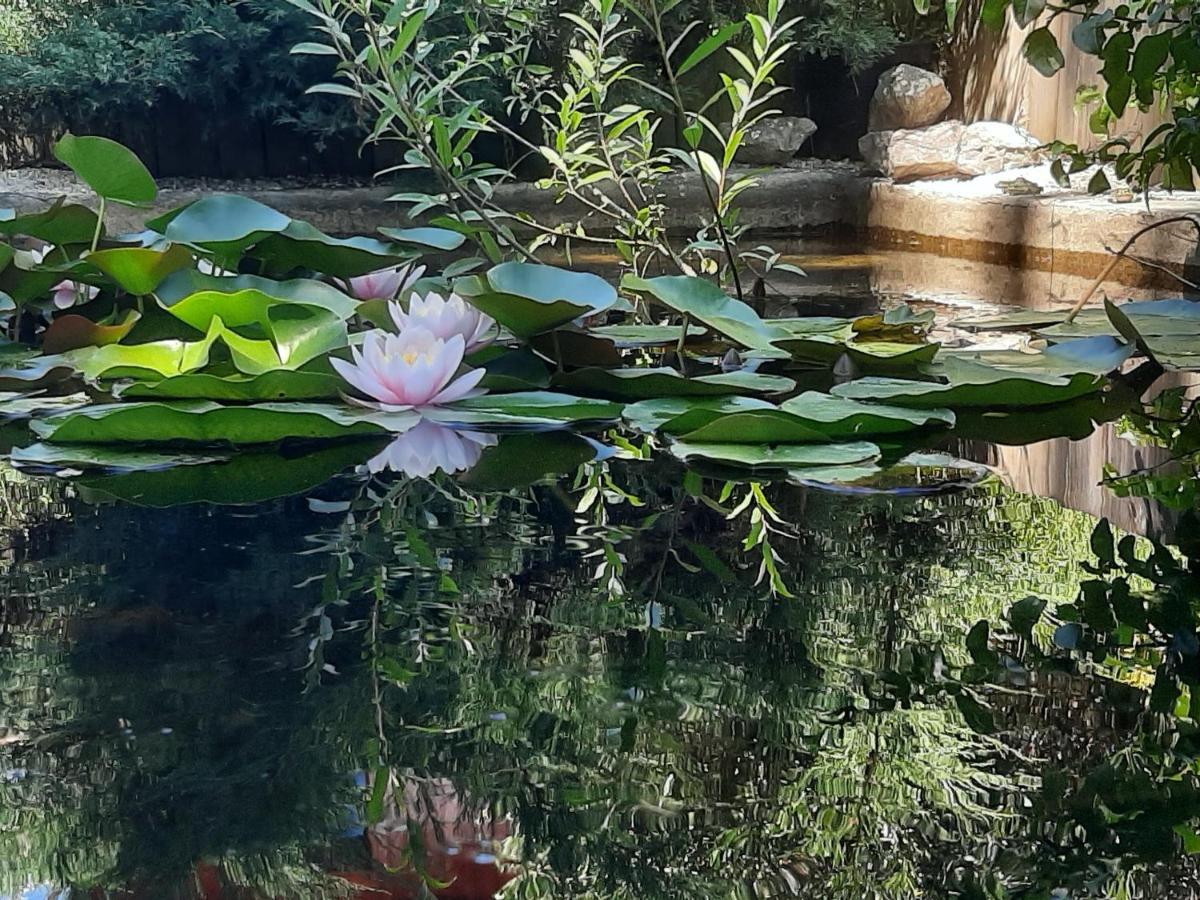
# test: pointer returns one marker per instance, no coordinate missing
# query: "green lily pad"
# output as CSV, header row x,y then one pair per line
x,y
787,456
111,170
810,417
703,301
1015,320
203,422
525,410
646,384
530,299
243,300
224,224
511,370
432,238
649,416
868,356
277,385
627,337
151,359
974,384
575,347
139,270
301,246
897,323
62,224
520,460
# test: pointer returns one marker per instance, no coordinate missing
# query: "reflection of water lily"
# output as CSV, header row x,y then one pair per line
x,y
412,369
445,318
67,293
385,284
427,447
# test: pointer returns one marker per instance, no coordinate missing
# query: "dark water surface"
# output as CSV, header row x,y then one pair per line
x,y
583,685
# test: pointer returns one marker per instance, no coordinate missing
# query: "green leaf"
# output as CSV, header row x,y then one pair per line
x,y
648,383
225,224
1042,51
703,301
1026,613
301,246
525,410
1025,11
275,385
202,422
244,300
530,299
139,270
788,456
970,383
114,172
426,238
810,417
708,47
1098,183
1151,53
61,224
627,337
992,13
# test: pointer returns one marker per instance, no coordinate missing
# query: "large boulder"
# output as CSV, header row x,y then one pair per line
x,y
949,150
907,97
774,141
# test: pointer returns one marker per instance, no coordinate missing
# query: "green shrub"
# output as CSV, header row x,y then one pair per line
x,y
90,62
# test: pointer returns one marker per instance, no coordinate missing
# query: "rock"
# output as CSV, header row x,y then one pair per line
x,y
774,141
907,97
949,150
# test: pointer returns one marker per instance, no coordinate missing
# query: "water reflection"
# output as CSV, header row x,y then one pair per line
x,y
586,687
429,447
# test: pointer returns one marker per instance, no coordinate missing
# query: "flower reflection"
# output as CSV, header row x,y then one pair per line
x,y
427,447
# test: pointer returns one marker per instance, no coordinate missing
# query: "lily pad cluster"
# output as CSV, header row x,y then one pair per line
x,y
226,327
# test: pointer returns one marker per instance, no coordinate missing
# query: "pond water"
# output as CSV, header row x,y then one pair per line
x,y
572,672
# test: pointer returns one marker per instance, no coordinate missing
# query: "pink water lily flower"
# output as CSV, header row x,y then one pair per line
x,y
385,284
429,446
409,370
66,294
445,318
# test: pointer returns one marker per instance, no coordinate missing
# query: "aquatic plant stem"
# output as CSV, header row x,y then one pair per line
x,y
1192,220
99,225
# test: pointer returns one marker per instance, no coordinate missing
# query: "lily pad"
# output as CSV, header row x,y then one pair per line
x,y
111,170
31,374
432,238
203,422
868,356
511,370
72,331
62,224
647,383
276,385
530,299
703,301
627,337
224,224
139,270
58,457
786,456
899,323
301,246
525,410
244,300
974,384
810,417
576,348
14,406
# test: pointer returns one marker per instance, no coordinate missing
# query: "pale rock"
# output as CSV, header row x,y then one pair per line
x,y
907,97
949,150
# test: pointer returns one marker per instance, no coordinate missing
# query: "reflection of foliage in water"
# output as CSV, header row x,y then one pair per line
x,y
685,734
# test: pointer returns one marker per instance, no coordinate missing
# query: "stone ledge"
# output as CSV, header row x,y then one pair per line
x,y
1059,230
